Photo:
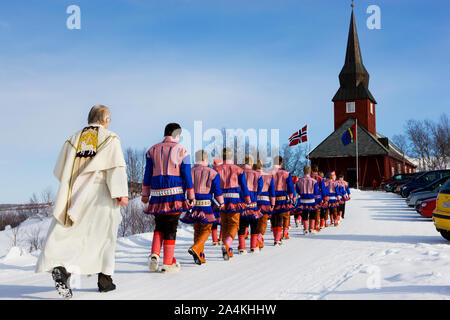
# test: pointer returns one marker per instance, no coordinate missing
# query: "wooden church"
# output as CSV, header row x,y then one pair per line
x,y
378,157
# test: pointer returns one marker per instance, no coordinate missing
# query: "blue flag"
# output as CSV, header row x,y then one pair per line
x,y
349,135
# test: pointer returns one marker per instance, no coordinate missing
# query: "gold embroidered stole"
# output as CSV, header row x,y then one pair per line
x,y
86,151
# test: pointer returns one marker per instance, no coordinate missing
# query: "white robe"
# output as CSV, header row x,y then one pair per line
x,y
83,234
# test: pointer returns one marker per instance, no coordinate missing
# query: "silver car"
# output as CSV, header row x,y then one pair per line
x,y
415,197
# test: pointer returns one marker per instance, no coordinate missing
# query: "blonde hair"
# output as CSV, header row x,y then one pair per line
x,y
248,159
307,170
227,154
99,114
201,155
259,165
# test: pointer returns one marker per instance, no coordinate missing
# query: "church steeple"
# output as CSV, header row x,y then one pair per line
x,y
354,78
353,99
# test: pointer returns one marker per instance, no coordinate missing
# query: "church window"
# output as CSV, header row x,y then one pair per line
x,y
350,107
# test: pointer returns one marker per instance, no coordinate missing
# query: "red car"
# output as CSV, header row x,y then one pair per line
x,y
426,207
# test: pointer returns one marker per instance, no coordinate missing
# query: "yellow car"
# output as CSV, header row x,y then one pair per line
x,y
441,215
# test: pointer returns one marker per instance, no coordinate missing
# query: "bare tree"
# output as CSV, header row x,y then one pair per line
x,y
34,200
47,197
134,221
34,239
420,142
135,160
125,225
294,159
429,142
440,132
401,142
15,235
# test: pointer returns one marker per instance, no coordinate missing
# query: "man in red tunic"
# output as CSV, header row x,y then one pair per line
x,y
167,179
234,186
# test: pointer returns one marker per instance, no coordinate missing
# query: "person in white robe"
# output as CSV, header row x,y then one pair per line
x,y
93,185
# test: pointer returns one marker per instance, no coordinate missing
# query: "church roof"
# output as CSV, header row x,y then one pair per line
x,y
354,78
368,144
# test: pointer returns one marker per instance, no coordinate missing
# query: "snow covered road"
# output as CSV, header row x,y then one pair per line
x,y
382,250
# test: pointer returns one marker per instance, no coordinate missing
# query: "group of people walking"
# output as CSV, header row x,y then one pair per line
x,y
241,199
237,199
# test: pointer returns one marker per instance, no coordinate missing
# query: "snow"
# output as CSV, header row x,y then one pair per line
x,y
25,228
382,250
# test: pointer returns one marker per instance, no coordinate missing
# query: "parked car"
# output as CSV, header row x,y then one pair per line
x,y
432,185
416,197
422,180
441,214
398,179
394,178
421,196
427,207
398,188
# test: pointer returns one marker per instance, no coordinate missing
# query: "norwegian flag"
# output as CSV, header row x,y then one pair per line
x,y
299,137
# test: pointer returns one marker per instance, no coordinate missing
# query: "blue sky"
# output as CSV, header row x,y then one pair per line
x,y
237,64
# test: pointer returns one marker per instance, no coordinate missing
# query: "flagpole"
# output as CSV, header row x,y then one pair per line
x,y
357,164
309,149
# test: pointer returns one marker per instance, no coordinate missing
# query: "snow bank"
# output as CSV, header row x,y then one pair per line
x,y
382,250
18,256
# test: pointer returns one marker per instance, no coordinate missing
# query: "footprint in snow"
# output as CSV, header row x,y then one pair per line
x,y
427,274
396,278
431,253
388,252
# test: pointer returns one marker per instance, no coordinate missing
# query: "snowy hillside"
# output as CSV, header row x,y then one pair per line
x,y
382,250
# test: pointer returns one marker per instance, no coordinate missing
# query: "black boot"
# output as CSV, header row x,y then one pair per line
x,y
62,282
195,256
105,283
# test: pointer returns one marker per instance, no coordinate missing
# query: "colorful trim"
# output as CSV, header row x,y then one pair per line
x,y
170,208
202,203
166,192
231,195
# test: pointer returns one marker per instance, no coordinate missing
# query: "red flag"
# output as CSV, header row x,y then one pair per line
x,y
299,136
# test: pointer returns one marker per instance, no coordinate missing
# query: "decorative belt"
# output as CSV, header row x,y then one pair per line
x,y
252,205
263,198
231,195
281,198
332,198
307,200
166,192
202,203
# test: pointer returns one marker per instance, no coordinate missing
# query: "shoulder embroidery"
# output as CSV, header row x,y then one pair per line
x,y
88,143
